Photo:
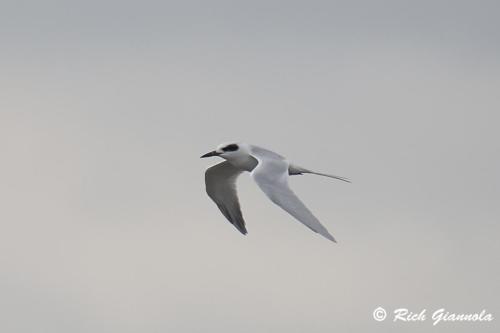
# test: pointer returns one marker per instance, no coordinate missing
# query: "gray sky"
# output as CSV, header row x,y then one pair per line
x,y
106,106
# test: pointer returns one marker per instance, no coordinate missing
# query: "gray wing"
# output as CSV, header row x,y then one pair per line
x,y
271,174
220,181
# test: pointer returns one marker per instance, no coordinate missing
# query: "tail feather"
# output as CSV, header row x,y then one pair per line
x,y
296,170
330,176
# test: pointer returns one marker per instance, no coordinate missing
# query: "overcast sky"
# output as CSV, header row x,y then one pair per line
x,y
106,106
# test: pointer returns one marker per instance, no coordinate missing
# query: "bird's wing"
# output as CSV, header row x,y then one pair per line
x,y
220,181
271,174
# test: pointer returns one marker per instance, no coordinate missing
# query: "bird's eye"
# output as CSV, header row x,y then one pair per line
x,y
231,147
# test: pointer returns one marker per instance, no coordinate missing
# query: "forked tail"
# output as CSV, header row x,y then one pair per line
x,y
296,170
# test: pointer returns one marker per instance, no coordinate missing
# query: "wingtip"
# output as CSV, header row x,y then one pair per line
x,y
243,230
330,237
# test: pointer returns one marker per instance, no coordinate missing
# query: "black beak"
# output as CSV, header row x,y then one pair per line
x,y
210,154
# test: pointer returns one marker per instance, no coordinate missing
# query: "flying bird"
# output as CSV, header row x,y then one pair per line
x,y
270,171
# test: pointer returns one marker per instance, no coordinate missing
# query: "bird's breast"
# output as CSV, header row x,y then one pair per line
x,y
247,163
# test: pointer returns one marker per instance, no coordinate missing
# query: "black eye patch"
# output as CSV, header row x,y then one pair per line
x,y
231,147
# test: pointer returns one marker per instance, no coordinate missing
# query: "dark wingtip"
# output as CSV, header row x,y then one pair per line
x,y
241,229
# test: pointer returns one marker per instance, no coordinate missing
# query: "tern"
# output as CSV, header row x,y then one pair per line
x,y
270,171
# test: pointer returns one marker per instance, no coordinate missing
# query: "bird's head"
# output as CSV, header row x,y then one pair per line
x,y
229,151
